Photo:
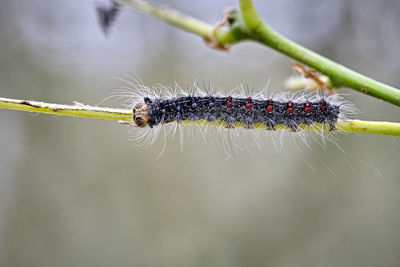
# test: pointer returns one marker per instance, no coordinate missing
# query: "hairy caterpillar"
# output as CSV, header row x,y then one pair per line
x,y
235,110
159,108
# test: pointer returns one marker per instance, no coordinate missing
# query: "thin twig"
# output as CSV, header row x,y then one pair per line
x,y
184,22
77,110
125,115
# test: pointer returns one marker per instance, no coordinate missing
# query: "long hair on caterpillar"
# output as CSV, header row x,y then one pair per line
x,y
238,119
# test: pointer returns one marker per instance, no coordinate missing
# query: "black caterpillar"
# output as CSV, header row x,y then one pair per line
x,y
232,110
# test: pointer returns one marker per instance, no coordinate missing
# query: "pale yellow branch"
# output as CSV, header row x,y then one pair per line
x,y
77,110
80,110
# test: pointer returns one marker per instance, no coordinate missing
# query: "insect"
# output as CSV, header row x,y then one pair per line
x,y
237,119
234,112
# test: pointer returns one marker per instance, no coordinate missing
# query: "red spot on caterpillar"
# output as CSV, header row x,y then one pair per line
x,y
307,108
248,103
269,107
323,105
290,107
229,103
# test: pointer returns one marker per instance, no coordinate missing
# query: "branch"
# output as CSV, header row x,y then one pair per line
x,y
248,25
80,110
77,110
340,75
185,22
371,127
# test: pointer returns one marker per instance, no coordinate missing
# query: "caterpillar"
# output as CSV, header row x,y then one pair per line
x,y
298,114
232,111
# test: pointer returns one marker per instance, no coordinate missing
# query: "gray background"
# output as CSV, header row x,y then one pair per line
x,y
77,192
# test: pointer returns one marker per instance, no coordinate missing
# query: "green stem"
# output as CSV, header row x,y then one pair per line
x,y
250,26
184,22
371,127
340,75
80,110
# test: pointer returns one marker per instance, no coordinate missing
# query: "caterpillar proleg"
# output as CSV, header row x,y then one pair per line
x,y
242,117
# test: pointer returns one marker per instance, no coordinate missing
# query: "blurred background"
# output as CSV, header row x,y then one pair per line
x,y
77,192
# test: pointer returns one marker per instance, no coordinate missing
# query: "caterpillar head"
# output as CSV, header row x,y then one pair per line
x,y
141,114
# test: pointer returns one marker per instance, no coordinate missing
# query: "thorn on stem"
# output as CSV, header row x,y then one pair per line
x,y
226,18
312,74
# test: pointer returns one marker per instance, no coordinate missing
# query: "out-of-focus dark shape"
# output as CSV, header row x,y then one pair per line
x,y
107,15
